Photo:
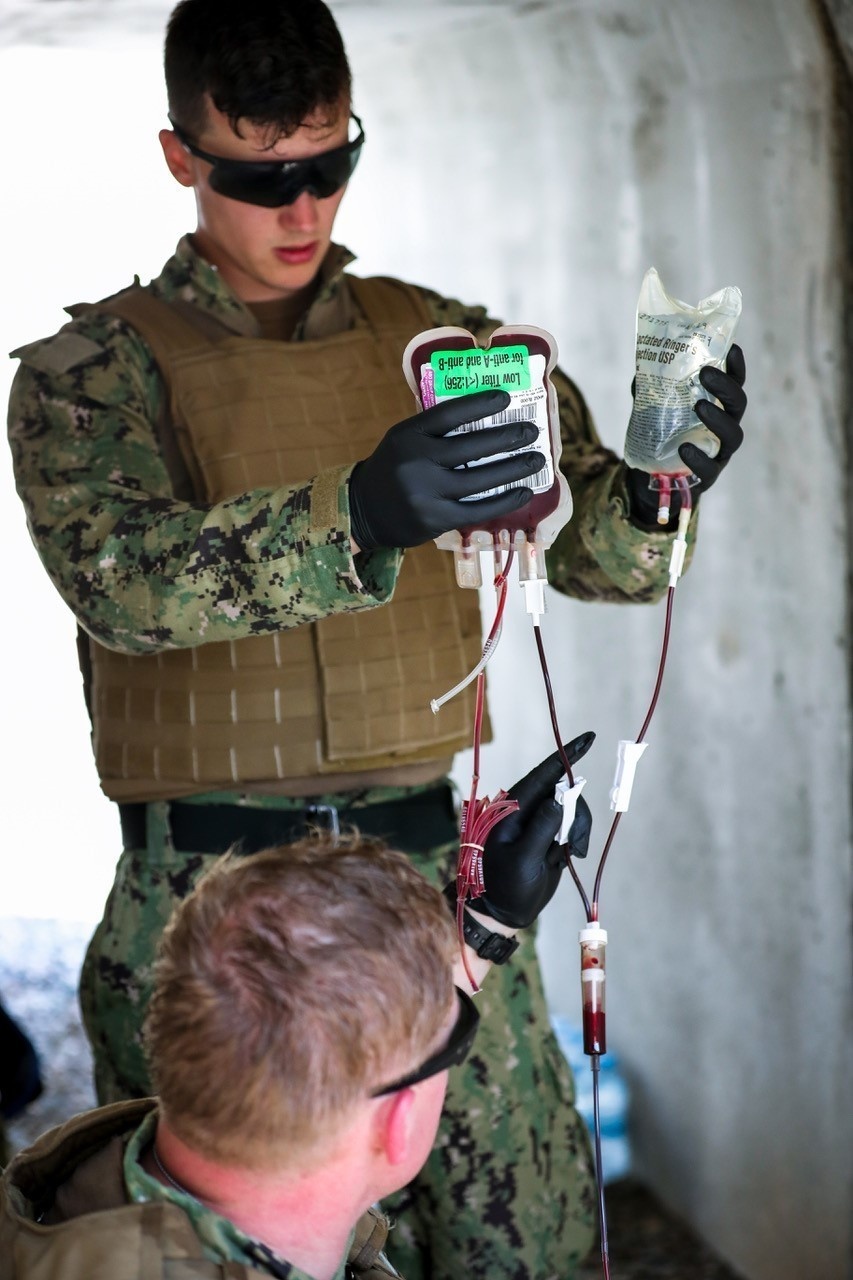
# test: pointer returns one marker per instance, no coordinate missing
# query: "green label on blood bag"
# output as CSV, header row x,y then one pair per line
x,y
457,373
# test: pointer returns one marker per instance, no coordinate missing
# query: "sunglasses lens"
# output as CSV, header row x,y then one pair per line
x,y
329,172
272,187
252,185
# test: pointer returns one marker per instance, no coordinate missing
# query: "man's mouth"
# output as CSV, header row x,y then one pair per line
x,y
297,253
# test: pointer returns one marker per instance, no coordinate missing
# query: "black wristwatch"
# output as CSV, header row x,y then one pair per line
x,y
496,947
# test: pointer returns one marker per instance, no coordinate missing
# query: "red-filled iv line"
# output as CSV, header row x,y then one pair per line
x,y
480,814
593,939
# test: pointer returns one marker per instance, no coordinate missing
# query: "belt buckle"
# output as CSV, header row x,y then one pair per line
x,y
330,813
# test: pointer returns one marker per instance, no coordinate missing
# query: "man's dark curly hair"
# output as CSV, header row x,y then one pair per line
x,y
272,62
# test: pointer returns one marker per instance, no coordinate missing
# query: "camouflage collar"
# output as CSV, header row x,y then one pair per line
x,y
221,1240
190,277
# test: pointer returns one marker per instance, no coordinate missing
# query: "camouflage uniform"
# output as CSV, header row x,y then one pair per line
x,y
508,1189
221,1239
79,1205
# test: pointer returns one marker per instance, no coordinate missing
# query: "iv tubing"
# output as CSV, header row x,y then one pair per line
x,y
491,640
591,908
568,768
479,816
605,1253
670,597
463,870
537,631
592,914
488,649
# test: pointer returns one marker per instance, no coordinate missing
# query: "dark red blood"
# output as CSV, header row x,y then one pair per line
x,y
542,504
594,1033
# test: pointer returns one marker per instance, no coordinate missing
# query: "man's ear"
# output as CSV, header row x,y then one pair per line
x,y
177,158
395,1126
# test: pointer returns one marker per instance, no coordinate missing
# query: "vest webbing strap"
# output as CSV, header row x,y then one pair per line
x,y
169,328
370,1235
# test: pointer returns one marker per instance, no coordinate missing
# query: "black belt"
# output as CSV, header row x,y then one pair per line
x,y
415,823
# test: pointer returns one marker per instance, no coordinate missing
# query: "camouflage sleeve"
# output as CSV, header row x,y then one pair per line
x,y
142,570
601,554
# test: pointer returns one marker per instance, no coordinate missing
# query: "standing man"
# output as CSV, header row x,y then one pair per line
x,y
221,473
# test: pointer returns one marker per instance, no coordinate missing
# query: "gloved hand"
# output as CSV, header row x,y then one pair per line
x,y
408,490
522,863
727,386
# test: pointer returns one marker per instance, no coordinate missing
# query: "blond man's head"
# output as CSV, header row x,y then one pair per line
x,y
289,985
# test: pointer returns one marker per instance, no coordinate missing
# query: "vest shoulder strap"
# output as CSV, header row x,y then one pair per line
x,y
365,1258
389,303
169,328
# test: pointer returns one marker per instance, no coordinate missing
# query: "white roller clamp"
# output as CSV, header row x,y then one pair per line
x,y
676,560
567,796
626,766
679,547
534,597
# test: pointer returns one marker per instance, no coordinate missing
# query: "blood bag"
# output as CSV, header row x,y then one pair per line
x,y
446,362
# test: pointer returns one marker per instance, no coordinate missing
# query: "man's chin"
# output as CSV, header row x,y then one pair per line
x,y
290,278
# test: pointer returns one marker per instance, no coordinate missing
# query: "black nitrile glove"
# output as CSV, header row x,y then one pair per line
x,y
409,491
727,386
522,863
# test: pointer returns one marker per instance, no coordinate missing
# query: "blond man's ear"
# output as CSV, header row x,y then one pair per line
x,y
395,1126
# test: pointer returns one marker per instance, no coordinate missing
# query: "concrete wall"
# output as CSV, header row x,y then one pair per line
x,y
539,157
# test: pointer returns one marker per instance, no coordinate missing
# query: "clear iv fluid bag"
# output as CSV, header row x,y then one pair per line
x,y
674,341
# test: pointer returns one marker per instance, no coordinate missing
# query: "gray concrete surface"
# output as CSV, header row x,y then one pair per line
x,y
39,965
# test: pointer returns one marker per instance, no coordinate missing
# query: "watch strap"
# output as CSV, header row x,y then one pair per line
x,y
495,947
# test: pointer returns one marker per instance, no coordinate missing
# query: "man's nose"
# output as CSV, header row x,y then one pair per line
x,y
301,214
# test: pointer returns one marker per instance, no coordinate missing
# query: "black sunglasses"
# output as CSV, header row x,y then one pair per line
x,y
454,1052
272,183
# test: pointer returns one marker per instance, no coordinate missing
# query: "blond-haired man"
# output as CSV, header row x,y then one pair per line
x,y
308,1003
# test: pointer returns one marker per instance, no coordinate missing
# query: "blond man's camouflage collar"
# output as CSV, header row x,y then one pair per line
x,y
220,1239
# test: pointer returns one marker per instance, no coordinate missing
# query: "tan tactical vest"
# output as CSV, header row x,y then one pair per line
x,y
348,695
65,1215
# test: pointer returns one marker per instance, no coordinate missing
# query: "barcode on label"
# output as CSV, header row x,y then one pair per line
x,y
533,412
497,420
542,480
